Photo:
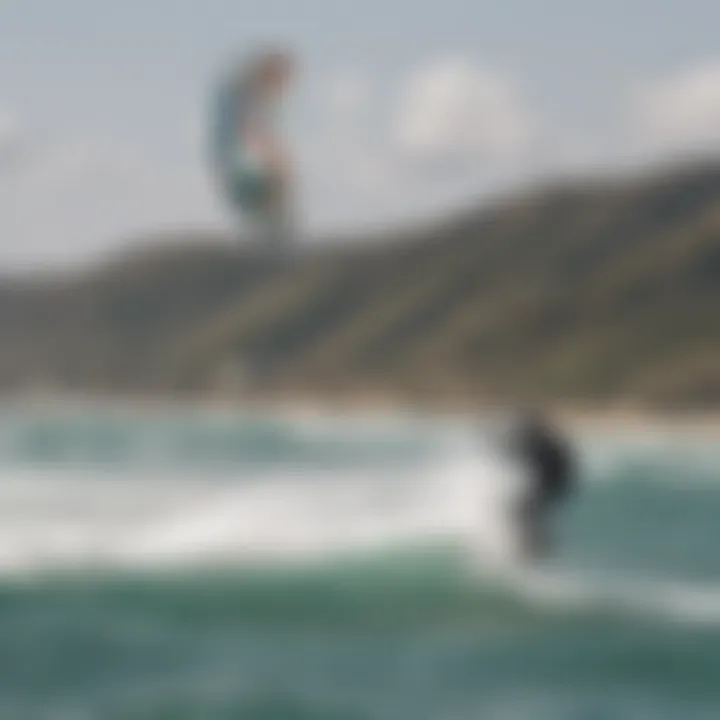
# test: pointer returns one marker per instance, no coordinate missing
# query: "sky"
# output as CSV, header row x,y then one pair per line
x,y
401,109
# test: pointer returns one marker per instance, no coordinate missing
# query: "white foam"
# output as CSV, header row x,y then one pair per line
x,y
72,519
63,520
644,597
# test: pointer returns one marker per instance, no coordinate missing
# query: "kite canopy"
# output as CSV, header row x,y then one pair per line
x,y
248,154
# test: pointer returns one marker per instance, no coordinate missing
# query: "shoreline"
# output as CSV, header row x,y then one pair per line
x,y
607,417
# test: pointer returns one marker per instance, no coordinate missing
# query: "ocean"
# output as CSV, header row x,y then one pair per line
x,y
211,564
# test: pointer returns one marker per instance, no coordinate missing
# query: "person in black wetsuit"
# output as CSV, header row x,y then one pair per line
x,y
550,461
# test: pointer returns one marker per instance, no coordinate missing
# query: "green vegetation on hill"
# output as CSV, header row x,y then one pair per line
x,y
600,291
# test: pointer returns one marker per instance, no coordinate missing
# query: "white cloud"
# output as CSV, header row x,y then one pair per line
x,y
453,111
388,152
681,112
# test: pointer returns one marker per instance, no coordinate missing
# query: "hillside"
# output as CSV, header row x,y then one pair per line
x,y
603,291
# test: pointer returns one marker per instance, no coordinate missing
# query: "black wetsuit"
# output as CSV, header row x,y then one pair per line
x,y
550,463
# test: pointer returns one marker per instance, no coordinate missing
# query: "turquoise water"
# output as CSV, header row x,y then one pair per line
x,y
219,566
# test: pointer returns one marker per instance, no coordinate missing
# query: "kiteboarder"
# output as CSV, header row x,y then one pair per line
x,y
550,463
